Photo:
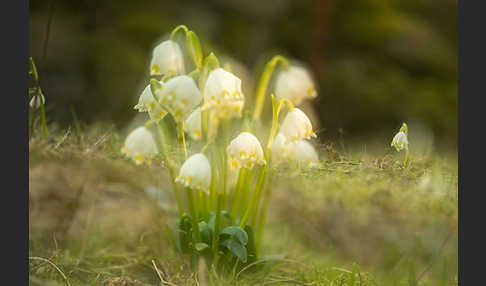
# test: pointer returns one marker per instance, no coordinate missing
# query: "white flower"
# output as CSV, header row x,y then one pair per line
x,y
147,103
222,92
36,100
192,124
295,84
195,173
167,57
180,95
400,141
304,155
297,126
281,148
244,151
140,145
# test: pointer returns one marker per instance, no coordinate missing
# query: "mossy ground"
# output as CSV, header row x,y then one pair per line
x,y
360,219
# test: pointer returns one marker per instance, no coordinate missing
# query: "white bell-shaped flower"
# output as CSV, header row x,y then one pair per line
x,y
281,148
140,145
180,95
245,151
400,141
192,124
35,101
195,173
297,126
167,57
147,103
295,84
223,94
303,155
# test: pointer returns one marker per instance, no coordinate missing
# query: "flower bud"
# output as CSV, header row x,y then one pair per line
x,y
195,173
167,57
140,145
36,100
223,94
192,124
297,126
400,141
180,95
147,103
244,151
295,84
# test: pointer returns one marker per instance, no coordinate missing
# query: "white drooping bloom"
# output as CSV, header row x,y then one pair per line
x,y
147,103
223,94
245,151
295,84
297,126
195,173
303,155
167,57
281,148
192,124
400,141
180,95
140,145
36,100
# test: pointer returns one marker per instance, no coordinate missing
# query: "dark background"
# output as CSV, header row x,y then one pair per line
x,y
377,63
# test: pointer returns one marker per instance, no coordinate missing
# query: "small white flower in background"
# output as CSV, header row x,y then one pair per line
x,y
180,95
245,151
297,126
192,124
147,103
36,100
167,57
140,145
304,155
295,84
195,173
400,141
222,92
281,148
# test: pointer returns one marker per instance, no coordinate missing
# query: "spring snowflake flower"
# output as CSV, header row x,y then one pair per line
x,y
147,103
295,84
297,126
281,148
180,95
245,151
303,155
167,57
36,100
195,173
223,94
400,141
192,124
140,145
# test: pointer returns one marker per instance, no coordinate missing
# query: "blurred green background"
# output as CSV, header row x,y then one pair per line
x,y
376,63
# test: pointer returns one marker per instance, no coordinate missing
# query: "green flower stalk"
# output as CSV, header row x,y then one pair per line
x,y
264,81
400,142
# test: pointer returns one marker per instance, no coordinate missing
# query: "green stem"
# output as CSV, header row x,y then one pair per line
x,y
254,197
177,29
183,137
236,198
263,83
194,219
263,213
405,161
216,226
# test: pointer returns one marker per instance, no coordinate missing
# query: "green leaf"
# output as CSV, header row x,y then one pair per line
x,y
194,47
237,232
250,246
200,246
206,232
236,248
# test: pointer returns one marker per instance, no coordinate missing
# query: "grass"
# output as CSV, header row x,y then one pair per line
x,y
360,219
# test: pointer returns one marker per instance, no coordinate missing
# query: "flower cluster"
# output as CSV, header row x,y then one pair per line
x,y
207,104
